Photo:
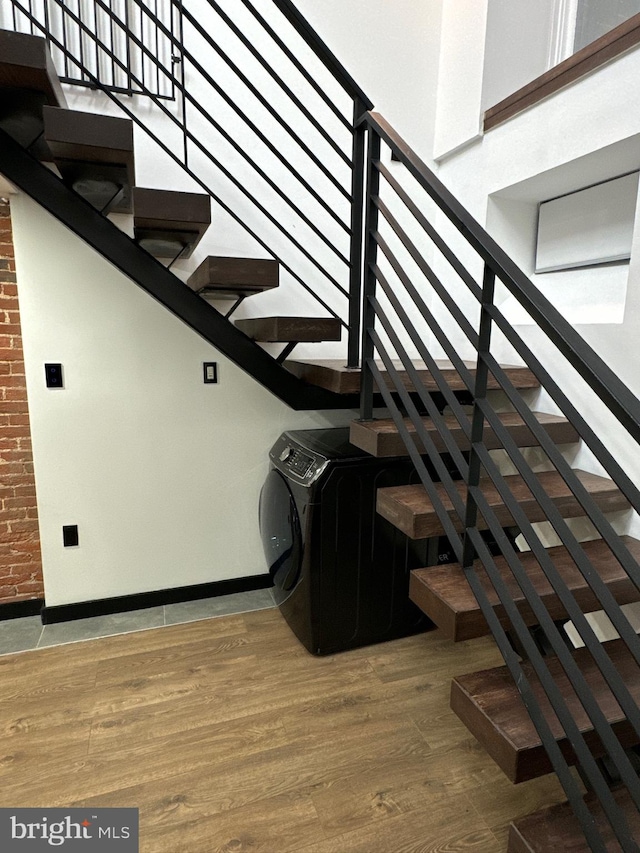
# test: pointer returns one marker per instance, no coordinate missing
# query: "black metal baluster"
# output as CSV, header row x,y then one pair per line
x,y
142,80
357,216
477,420
127,45
80,42
181,60
96,69
47,22
370,256
65,41
157,37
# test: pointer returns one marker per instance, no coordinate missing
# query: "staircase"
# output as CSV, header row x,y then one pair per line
x,y
488,702
552,707
94,156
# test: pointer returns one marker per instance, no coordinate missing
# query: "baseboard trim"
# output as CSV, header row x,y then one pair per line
x,y
20,609
143,600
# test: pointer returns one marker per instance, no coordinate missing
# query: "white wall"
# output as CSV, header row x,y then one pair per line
x,y
579,136
583,134
161,472
459,93
392,50
518,46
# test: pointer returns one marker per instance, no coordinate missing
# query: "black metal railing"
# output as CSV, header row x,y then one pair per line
x,y
69,24
275,142
426,293
279,143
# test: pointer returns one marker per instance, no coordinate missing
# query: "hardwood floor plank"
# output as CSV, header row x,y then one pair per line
x,y
228,735
402,659
452,824
299,764
279,824
386,792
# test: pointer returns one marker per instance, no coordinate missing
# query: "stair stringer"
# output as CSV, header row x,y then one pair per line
x,y
38,182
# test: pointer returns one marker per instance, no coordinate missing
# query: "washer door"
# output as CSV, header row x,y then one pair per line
x,y
280,531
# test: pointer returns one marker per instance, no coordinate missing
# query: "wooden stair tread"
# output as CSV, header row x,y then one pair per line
x,y
333,375
166,217
94,154
557,827
490,706
28,81
225,277
26,64
444,595
410,509
289,329
381,437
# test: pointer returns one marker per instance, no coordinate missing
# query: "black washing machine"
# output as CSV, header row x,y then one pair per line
x,y
340,571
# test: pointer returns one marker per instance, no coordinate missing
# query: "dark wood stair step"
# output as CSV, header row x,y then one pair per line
x,y
290,329
381,437
234,277
556,828
443,593
28,81
410,509
333,375
94,154
490,706
166,222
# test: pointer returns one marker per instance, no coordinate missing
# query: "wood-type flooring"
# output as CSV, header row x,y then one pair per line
x,y
230,738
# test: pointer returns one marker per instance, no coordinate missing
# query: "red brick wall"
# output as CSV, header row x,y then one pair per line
x,y
20,560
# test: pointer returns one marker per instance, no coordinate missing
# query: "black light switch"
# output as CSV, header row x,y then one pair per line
x,y
70,535
53,375
210,370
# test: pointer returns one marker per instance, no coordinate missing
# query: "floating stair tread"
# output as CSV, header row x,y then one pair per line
x,y
171,208
28,81
94,154
381,437
88,136
228,277
557,827
25,63
443,593
490,706
163,216
333,375
289,329
410,509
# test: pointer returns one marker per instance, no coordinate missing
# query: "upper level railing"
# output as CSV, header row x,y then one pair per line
x,y
263,119
431,279
116,24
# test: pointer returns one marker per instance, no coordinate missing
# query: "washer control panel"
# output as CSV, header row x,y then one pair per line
x,y
300,465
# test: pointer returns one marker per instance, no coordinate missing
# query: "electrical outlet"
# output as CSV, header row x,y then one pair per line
x,y
53,375
70,535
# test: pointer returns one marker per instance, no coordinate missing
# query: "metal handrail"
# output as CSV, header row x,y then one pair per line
x,y
624,405
322,51
297,254
469,506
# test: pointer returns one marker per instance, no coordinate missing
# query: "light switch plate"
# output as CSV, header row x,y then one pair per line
x,y
210,372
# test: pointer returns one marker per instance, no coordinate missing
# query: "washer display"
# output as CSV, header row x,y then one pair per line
x,y
340,571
